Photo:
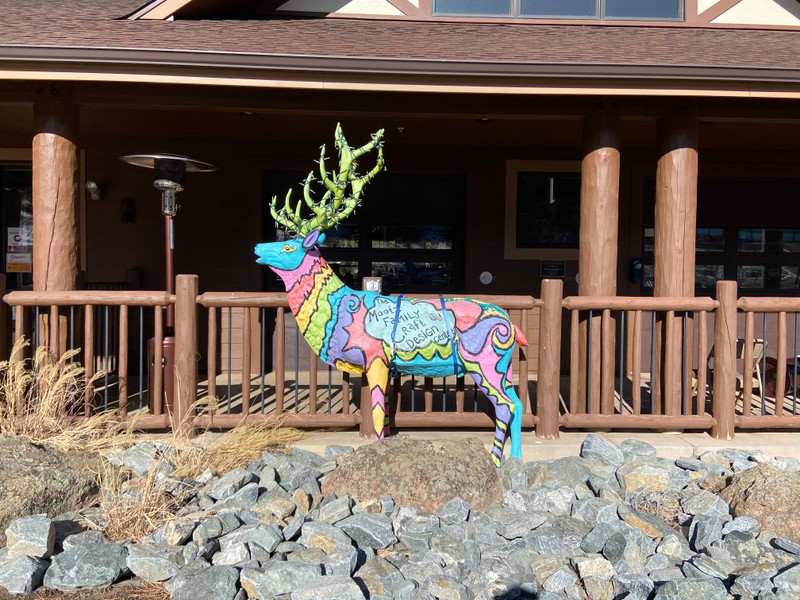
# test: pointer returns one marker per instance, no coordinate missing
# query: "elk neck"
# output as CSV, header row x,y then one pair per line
x,y
311,292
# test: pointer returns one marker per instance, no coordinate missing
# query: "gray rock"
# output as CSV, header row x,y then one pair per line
x,y
154,562
788,580
329,588
512,475
33,535
379,576
333,452
745,525
235,554
706,504
446,588
454,511
278,578
782,543
230,483
637,451
21,574
246,496
338,509
87,566
211,583
598,448
341,562
369,530
704,532
266,536
326,537
632,586
140,458
692,589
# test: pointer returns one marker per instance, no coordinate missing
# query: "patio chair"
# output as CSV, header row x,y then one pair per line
x,y
751,375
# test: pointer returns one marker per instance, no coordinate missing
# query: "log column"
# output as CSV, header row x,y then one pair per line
x,y
675,235
55,190
598,248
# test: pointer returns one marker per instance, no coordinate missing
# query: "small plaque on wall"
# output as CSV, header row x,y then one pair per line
x,y
553,268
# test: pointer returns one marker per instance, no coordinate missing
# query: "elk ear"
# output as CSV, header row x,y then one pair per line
x,y
313,239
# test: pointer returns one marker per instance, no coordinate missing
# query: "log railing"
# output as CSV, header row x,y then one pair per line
x,y
62,321
634,363
772,399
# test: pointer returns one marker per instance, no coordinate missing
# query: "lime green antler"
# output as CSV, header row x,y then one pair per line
x,y
336,204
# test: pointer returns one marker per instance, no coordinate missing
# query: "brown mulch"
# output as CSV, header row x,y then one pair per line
x,y
128,590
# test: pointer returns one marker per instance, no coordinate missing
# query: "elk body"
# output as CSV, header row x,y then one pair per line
x,y
365,332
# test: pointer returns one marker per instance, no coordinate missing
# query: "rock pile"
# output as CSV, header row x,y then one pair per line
x,y
614,522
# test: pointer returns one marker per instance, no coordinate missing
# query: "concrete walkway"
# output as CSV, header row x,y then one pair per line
x,y
668,445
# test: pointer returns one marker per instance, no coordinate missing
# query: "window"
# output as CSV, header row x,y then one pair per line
x,y
409,230
542,209
741,235
672,10
16,222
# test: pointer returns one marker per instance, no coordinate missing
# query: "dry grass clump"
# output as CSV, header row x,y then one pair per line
x,y
666,507
131,508
234,448
41,398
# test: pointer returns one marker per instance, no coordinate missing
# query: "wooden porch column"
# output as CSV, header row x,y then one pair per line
x,y
675,235
55,189
597,254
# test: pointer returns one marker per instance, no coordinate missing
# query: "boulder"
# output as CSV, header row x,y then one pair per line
x,y
424,474
37,480
769,495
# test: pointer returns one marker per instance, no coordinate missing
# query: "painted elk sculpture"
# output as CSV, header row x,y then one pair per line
x,y
365,332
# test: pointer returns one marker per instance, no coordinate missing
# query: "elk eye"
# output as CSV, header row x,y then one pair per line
x,y
289,248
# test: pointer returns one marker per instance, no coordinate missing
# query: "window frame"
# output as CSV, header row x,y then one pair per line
x,y
513,168
515,12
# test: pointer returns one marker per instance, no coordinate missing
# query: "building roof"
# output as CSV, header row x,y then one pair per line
x,y
42,36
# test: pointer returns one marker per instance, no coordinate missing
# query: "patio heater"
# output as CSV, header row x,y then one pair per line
x,y
169,177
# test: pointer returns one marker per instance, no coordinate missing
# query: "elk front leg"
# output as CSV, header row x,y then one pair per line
x,y
378,381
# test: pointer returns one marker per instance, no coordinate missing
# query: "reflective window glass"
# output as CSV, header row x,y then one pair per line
x,y
472,7
414,275
643,9
558,8
706,276
412,237
548,210
710,239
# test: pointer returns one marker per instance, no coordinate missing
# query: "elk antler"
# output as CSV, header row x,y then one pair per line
x,y
335,203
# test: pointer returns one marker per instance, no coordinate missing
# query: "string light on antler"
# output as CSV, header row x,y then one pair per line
x,y
335,204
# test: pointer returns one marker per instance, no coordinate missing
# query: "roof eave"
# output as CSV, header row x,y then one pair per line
x,y
266,70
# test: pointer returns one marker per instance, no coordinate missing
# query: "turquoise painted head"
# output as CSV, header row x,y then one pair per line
x,y
287,255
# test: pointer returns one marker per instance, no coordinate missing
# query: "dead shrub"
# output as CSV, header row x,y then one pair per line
x,y
663,506
43,400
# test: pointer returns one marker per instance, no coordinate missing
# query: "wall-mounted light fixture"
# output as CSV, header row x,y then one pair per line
x,y
93,190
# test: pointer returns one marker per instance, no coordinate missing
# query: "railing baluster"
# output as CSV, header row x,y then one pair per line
x,y
280,360
230,360
636,364
88,370
262,313
211,359
622,349
122,373
296,367
246,360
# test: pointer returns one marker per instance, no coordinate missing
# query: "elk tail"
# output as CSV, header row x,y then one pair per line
x,y
520,337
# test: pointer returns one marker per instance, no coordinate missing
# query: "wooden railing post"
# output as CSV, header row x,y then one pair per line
x,y
548,386
186,353
724,398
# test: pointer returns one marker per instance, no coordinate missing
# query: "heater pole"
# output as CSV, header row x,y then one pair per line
x,y
170,271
